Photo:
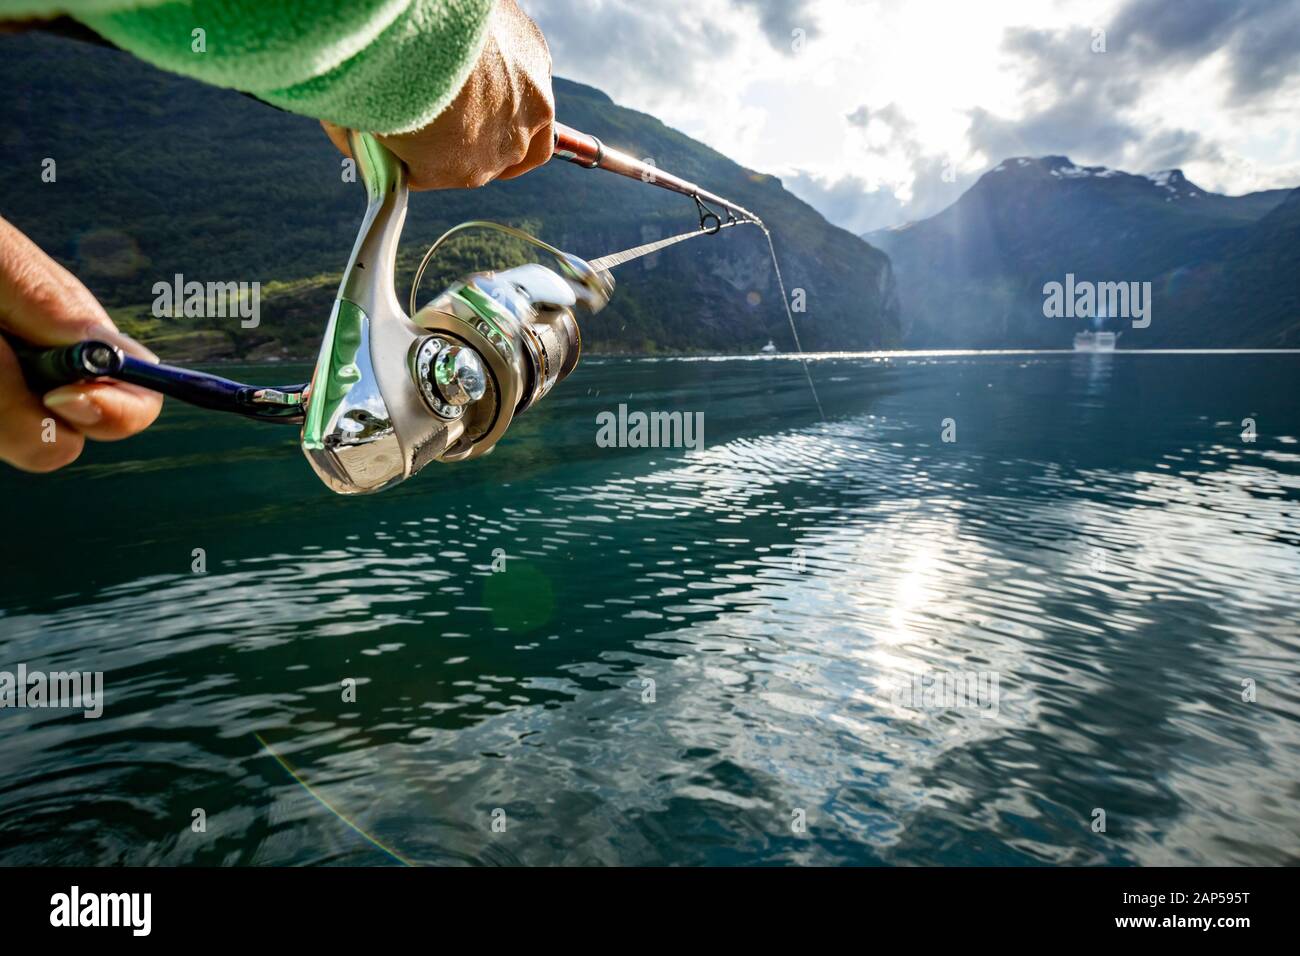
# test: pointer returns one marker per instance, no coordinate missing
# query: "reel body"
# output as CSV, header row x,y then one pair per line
x,y
392,392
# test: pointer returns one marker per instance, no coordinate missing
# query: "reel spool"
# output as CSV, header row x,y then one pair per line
x,y
390,393
520,323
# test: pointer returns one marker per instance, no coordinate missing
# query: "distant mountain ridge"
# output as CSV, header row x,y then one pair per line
x,y
973,274
159,175
1248,294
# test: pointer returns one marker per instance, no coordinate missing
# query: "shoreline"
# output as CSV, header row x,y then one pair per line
x,y
876,353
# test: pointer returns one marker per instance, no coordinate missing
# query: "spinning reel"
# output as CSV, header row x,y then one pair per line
x,y
393,392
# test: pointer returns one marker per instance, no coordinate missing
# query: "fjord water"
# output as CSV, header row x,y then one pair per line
x,y
1098,536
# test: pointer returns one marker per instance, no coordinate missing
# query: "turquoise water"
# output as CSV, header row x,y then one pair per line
x,y
1099,538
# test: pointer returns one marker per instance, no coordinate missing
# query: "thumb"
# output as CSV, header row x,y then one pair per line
x,y
338,136
44,304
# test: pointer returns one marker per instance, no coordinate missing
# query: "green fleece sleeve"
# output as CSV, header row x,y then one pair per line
x,y
385,66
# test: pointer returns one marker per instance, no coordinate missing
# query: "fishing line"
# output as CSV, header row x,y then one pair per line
x,y
627,255
583,149
789,313
614,259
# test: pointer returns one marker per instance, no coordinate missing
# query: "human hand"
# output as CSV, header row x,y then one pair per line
x,y
44,304
499,126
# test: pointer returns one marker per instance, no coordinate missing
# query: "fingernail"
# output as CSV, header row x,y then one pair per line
x,y
127,344
74,406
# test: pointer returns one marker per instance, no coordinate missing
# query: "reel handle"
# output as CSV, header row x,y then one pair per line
x,y
47,367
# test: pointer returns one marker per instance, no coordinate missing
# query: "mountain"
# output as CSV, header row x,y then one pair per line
x,y
1249,293
973,274
158,175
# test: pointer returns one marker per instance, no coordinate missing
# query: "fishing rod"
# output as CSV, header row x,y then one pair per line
x,y
392,390
589,152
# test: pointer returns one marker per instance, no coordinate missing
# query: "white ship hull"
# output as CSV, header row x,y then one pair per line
x,y
1095,341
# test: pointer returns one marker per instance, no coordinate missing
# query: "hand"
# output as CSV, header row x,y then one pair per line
x,y
44,304
500,124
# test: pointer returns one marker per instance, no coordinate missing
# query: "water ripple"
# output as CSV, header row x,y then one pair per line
x,y
661,656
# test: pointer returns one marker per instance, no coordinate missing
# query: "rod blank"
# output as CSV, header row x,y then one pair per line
x,y
586,150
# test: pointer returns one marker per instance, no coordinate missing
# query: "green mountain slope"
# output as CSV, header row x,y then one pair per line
x,y
1248,294
972,275
158,175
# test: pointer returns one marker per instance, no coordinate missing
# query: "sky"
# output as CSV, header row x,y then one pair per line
x,y
879,112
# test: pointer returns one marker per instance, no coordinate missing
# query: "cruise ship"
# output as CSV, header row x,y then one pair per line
x,y
1095,341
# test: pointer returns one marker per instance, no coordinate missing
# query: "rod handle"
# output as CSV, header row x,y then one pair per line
x,y
47,367
577,147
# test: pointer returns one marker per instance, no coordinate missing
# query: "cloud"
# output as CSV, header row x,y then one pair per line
x,y
1168,149
1085,104
634,48
860,206
1260,38
778,20
664,45
1096,102
889,116
908,180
